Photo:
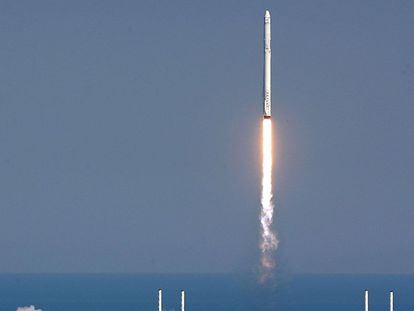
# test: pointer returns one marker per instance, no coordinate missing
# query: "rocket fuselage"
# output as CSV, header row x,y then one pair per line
x,y
267,88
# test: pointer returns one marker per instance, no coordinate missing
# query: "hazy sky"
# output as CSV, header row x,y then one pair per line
x,y
130,130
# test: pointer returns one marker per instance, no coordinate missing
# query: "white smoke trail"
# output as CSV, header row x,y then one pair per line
x,y
269,242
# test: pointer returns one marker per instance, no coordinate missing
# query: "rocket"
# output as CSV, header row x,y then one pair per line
x,y
267,88
182,300
160,299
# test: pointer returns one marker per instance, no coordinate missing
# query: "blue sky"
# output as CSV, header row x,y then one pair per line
x,y
130,135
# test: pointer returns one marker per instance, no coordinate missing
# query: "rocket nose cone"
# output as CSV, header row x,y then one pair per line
x,y
267,13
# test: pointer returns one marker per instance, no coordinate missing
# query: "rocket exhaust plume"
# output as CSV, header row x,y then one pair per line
x,y
269,242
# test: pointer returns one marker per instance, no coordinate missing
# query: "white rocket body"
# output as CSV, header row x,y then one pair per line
x,y
159,300
182,301
267,88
